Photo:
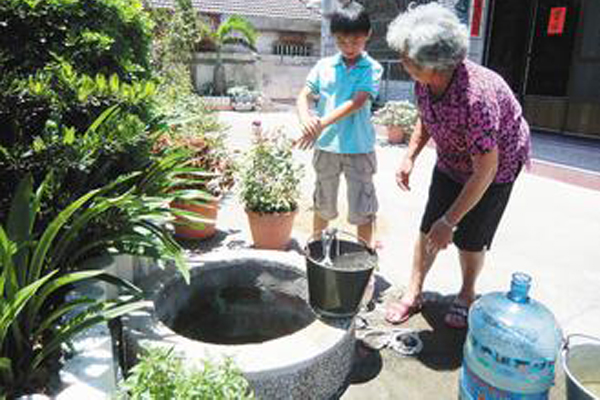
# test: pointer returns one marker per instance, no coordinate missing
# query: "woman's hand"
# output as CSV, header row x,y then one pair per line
x,y
403,174
439,236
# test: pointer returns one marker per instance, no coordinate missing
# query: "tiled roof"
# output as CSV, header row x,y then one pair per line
x,y
287,9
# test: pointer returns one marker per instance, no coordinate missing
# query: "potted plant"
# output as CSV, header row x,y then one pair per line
x,y
399,117
243,99
269,188
211,175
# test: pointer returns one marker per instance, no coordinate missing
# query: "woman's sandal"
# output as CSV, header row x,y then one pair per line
x,y
457,315
399,311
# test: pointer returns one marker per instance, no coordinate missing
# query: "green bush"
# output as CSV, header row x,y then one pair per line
x,y
98,36
62,64
36,316
270,178
161,375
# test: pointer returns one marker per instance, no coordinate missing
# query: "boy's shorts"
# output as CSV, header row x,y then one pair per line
x,y
358,170
476,230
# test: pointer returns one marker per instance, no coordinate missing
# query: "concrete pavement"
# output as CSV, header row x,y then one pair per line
x,y
551,230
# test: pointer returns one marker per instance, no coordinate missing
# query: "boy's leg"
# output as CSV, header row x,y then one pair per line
x,y
327,170
365,232
319,224
362,199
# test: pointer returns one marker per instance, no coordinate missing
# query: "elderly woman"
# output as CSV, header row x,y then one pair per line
x,y
481,140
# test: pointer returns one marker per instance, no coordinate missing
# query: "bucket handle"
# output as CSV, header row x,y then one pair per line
x,y
360,240
567,340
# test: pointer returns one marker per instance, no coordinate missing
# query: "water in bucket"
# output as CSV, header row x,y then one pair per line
x,y
511,346
581,362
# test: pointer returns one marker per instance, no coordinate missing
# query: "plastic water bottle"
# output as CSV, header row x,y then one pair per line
x,y
511,346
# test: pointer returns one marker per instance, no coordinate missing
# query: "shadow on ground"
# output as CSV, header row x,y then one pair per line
x,y
442,345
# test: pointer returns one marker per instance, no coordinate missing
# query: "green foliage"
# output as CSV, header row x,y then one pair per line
x,y
270,177
235,30
161,375
63,63
99,36
33,324
398,113
176,33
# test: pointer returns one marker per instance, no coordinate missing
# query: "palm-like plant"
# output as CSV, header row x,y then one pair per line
x,y
36,315
234,30
32,328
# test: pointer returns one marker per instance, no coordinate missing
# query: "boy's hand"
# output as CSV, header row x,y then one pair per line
x,y
311,129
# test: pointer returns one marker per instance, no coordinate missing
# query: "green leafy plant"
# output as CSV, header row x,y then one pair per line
x,y
270,177
397,113
33,324
103,36
161,375
234,30
243,98
208,153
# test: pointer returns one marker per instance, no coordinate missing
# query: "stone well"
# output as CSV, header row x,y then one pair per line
x,y
250,306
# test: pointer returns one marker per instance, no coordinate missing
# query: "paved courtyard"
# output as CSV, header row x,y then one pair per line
x,y
551,230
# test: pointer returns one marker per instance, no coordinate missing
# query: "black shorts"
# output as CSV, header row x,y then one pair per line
x,y
477,228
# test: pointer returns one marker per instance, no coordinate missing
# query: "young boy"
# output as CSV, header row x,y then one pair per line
x,y
342,133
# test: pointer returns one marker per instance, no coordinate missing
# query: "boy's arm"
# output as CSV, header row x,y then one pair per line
x,y
310,125
356,103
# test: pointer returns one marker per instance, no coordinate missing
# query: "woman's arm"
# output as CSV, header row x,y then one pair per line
x,y
484,170
418,140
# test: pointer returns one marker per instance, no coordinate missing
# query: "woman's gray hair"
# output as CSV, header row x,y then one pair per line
x,y
430,35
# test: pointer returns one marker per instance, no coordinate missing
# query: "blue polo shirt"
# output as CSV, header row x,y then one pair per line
x,y
335,83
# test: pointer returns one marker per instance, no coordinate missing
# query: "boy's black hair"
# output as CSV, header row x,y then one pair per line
x,y
351,18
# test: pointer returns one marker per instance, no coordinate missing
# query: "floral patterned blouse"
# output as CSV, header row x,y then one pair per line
x,y
477,112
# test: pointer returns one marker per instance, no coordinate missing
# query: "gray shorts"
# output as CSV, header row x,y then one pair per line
x,y
358,170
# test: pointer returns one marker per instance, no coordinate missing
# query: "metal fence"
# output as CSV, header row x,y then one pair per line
x,y
396,83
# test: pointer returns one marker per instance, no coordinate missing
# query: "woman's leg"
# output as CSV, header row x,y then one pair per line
x,y
471,263
398,311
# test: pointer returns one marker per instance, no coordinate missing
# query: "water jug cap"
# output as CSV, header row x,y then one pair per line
x,y
519,287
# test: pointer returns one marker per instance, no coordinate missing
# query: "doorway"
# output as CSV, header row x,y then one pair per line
x,y
530,44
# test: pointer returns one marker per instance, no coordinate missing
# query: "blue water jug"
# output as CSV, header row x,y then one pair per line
x,y
511,346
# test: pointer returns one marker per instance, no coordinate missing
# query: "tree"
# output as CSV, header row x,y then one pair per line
x,y
234,30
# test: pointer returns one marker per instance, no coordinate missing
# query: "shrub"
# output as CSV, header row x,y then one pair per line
x,y
270,177
397,113
161,375
98,36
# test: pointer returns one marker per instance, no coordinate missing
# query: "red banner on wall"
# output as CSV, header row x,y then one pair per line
x,y
476,18
556,22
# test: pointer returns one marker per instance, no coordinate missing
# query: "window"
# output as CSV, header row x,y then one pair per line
x,y
292,49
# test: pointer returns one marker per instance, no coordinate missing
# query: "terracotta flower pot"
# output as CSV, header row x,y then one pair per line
x,y
207,211
395,134
271,231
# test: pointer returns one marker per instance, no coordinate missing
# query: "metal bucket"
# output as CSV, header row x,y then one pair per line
x,y
336,290
581,362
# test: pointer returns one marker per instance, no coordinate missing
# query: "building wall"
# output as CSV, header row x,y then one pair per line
x,y
272,30
277,77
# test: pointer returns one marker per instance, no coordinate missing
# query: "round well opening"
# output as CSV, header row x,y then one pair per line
x,y
240,303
